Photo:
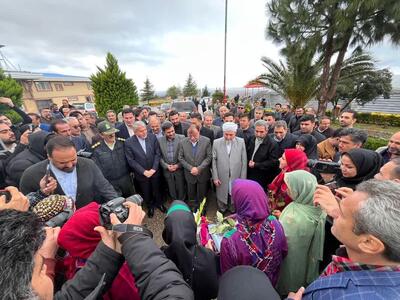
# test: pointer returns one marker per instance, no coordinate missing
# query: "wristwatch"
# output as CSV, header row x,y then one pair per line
x,y
122,228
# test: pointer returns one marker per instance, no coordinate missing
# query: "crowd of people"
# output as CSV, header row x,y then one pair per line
x,y
312,208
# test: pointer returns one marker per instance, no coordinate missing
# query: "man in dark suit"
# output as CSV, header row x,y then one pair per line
x,y
195,155
262,154
180,127
197,119
307,125
126,128
75,177
143,154
281,135
173,172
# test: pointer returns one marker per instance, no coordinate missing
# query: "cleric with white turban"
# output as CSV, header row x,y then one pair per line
x,y
229,126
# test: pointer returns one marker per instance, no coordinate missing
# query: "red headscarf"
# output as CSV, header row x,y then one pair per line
x,y
296,160
80,240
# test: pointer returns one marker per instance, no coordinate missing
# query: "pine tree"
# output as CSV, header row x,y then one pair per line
x,y
205,93
332,27
10,88
174,92
218,96
147,91
190,88
112,90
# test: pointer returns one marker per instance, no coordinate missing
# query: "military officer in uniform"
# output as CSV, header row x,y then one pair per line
x,y
109,155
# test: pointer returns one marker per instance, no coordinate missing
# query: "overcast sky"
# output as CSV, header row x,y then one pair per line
x,y
162,39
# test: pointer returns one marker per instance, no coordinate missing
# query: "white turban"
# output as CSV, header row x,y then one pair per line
x,y
229,126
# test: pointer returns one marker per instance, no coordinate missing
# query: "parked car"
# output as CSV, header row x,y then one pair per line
x,y
86,106
184,106
165,106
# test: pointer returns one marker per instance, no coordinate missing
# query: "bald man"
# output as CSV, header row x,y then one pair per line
x,y
392,150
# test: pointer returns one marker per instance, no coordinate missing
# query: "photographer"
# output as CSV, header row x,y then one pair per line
x,y
22,236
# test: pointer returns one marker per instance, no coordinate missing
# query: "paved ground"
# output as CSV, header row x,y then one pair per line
x,y
156,224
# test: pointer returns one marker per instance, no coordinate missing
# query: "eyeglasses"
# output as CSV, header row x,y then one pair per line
x,y
240,107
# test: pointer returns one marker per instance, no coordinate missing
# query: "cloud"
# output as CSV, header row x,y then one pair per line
x,y
159,39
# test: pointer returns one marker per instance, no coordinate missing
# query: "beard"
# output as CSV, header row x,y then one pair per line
x,y
68,170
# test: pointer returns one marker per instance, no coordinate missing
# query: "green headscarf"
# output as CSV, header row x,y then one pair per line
x,y
304,226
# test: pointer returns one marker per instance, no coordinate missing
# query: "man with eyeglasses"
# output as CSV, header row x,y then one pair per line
x,y
9,148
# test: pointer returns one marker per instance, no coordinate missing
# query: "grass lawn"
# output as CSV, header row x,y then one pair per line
x,y
380,131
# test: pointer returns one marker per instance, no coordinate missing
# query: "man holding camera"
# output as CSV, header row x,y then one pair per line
x,y
109,156
75,177
22,236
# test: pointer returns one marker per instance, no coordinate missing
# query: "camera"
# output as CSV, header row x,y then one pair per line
x,y
60,219
327,167
116,206
6,194
85,154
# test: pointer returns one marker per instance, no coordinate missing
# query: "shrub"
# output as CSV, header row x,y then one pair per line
x,y
374,143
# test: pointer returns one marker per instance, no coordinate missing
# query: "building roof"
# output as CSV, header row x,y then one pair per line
x,y
36,76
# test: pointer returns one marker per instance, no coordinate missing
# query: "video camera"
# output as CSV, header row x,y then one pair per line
x,y
327,167
116,206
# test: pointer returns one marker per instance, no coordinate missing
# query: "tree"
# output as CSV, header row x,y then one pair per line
x,y
148,92
112,90
205,92
364,89
190,88
218,96
174,92
10,88
331,27
297,81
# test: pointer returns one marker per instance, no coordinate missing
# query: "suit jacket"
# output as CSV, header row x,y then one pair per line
x,y
91,183
228,167
266,161
182,128
204,131
123,132
164,161
318,136
202,160
140,161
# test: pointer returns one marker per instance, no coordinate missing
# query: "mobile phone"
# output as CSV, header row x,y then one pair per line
x,y
332,185
6,194
47,175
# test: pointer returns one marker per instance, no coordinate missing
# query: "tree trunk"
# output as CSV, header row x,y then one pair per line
x,y
325,73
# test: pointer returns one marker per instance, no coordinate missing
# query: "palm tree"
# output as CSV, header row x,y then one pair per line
x,y
297,81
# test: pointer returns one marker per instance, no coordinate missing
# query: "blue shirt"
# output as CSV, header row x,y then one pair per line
x,y
67,181
142,143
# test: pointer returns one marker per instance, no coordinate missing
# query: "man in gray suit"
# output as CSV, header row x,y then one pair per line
x,y
195,156
172,168
229,162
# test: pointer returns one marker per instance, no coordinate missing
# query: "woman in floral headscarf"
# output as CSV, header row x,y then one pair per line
x,y
257,239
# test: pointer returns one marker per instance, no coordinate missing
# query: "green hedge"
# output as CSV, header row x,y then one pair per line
x,y
376,118
374,143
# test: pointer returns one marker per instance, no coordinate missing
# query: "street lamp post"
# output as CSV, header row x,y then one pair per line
x,y
226,31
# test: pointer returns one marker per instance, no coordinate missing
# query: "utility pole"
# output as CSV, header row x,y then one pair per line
x,y
226,31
